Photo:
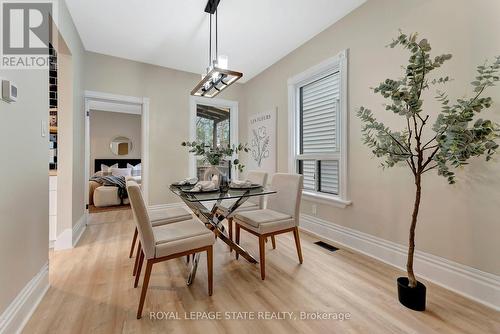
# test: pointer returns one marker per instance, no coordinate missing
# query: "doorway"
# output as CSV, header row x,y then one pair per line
x,y
116,145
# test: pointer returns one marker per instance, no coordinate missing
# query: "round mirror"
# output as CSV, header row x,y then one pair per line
x,y
121,146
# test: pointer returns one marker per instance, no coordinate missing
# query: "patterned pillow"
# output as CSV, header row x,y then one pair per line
x,y
136,170
121,172
106,170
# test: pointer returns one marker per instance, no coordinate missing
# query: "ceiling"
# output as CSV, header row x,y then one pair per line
x,y
254,34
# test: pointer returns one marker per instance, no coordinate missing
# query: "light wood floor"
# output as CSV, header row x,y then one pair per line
x,y
91,291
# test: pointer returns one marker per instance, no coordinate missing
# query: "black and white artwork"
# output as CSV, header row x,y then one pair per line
x,y
262,141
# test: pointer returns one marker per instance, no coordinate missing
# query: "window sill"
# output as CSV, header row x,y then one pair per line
x,y
325,199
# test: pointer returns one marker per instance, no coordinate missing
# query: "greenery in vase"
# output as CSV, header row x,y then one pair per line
x,y
214,155
456,136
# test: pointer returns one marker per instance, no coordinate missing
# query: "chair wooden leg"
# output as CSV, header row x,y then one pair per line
x,y
145,283
262,251
139,250
187,258
139,267
230,228
273,241
237,230
210,261
134,239
297,243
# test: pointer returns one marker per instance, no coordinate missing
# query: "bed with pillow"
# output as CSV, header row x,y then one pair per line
x,y
107,193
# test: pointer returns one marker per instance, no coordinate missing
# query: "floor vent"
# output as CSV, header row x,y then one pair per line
x,y
326,246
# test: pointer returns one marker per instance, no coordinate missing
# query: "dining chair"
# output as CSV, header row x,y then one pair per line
x,y
162,217
158,218
252,203
166,242
280,216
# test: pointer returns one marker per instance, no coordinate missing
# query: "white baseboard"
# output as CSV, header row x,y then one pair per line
x,y
70,236
467,281
17,314
64,240
78,229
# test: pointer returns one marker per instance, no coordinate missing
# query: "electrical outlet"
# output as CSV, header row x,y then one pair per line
x,y
314,209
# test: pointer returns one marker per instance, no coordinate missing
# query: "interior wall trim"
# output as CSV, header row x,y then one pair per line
x,y
69,237
17,314
79,228
472,283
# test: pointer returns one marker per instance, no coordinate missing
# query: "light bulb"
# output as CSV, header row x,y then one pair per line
x,y
222,62
215,76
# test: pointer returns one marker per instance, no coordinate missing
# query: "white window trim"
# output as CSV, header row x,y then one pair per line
x,y
336,63
233,110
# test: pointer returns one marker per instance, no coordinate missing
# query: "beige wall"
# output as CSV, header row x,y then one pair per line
x,y
65,146
24,195
24,204
168,91
459,222
104,126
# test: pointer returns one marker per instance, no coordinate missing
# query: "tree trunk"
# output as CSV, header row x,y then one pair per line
x,y
412,281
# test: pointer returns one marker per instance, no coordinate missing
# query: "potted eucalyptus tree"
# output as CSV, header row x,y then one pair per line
x,y
457,134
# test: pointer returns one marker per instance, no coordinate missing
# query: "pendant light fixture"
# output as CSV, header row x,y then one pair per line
x,y
217,76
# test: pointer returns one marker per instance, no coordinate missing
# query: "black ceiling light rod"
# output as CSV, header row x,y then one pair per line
x,y
211,6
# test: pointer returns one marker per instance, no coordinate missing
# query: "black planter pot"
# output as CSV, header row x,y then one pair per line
x,y
413,298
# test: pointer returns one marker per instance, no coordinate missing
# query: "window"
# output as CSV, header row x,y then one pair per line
x,y
212,128
318,113
214,122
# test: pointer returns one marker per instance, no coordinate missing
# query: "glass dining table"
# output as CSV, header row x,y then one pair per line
x,y
212,208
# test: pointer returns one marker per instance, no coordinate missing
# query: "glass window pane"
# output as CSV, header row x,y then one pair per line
x,y
212,129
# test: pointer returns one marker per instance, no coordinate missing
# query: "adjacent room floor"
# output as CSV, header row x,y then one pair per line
x,y
92,291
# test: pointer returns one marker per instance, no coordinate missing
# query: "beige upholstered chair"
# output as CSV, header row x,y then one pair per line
x,y
158,218
167,242
252,203
280,216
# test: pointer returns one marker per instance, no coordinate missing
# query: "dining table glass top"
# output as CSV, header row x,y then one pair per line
x,y
218,195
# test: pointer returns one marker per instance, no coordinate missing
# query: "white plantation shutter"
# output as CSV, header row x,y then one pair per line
x,y
318,115
319,101
329,177
309,171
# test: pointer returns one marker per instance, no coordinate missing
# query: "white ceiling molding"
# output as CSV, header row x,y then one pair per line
x,y
253,34
125,108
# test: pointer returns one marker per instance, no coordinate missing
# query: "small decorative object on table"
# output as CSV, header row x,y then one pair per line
x,y
243,184
224,183
203,186
214,155
190,181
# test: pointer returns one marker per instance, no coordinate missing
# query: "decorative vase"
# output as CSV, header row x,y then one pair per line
x,y
413,298
213,173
